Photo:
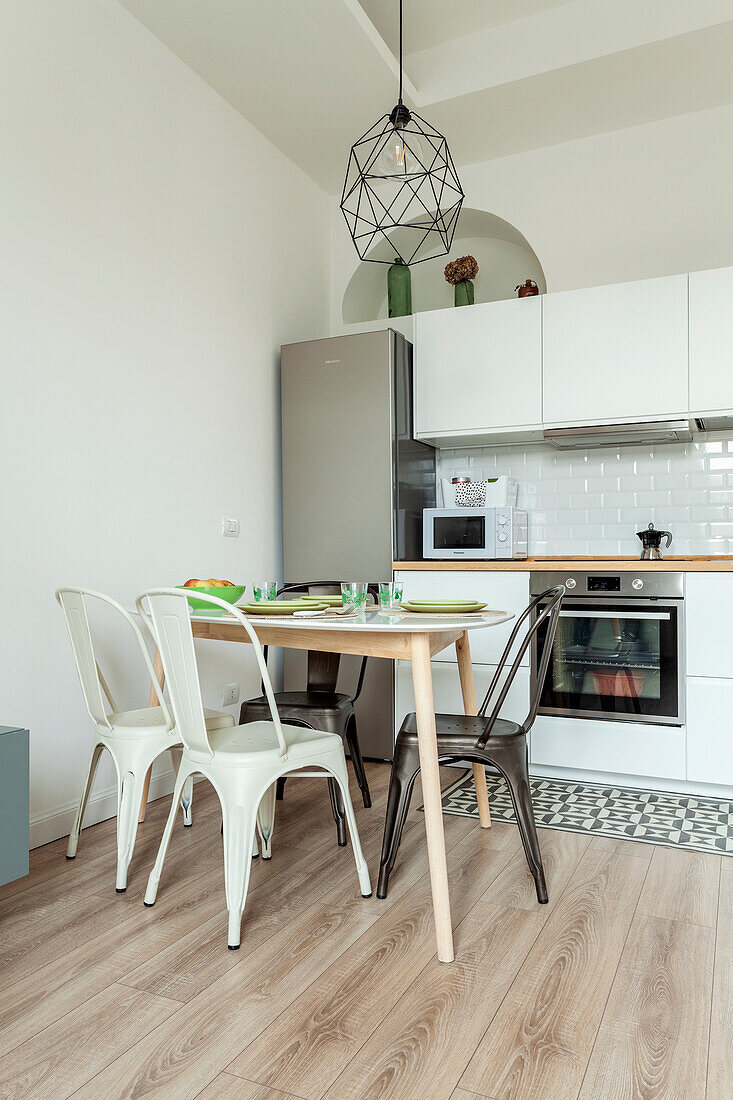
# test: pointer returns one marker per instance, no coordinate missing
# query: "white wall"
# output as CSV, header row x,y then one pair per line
x,y
632,204
155,252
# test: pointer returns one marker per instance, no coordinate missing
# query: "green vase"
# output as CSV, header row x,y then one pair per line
x,y
399,290
463,292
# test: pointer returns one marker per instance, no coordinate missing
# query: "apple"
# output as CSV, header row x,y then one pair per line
x,y
212,582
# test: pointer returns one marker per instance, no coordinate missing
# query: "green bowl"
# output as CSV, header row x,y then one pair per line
x,y
230,593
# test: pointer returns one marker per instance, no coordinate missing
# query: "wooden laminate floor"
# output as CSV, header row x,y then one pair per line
x,y
621,988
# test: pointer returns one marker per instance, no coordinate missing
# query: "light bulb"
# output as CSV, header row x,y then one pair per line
x,y
402,155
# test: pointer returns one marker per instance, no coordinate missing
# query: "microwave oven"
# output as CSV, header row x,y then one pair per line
x,y
474,533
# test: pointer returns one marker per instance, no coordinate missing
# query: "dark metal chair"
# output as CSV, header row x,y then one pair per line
x,y
494,741
320,707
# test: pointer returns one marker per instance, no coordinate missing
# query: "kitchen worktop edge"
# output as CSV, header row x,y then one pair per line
x,y
717,564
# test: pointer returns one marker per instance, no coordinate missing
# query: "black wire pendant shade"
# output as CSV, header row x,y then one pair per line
x,y
401,196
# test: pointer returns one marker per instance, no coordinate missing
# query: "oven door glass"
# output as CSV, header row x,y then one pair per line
x,y
616,660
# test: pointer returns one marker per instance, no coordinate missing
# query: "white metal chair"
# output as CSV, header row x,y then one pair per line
x,y
134,738
242,764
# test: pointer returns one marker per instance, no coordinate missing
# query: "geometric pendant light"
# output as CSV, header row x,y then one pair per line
x,y
401,195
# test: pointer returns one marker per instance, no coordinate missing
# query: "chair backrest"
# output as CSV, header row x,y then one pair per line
x,y
552,599
73,605
323,668
168,612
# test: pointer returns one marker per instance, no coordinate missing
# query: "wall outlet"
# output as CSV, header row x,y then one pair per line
x,y
230,527
229,695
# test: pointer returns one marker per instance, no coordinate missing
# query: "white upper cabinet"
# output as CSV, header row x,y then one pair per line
x,y
616,352
478,370
711,340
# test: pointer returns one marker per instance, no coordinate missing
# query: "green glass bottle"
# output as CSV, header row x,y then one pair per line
x,y
463,293
399,290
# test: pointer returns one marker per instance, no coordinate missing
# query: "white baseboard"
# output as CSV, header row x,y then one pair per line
x,y
101,806
641,782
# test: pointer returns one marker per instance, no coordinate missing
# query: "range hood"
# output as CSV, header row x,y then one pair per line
x,y
714,423
622,435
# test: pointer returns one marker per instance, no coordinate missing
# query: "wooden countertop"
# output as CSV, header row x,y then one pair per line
x,y
672,564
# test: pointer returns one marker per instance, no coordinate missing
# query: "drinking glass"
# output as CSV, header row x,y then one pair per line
x,y
264,591
390,594
354,594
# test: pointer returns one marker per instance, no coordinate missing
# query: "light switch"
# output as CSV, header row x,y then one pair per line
x,y
230,527
229,695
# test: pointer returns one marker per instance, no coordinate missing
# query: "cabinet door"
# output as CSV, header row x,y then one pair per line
x,y
619,748
447,691
709,614
479,367
711,340
13,804
710,731
616,352
502,591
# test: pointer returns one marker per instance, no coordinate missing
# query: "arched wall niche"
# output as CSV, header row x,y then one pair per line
x,y
504,256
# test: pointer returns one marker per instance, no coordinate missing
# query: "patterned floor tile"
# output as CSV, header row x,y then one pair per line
x,y
653,817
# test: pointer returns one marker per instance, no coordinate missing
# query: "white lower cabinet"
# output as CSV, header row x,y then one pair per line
x,y
447,691
710,730
502,591
709,612
622,748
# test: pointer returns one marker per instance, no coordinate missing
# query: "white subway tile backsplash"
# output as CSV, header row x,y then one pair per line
x,y
706,481
670,481
650,465
621,501
686,463
636,484
650,499
594,502
604,484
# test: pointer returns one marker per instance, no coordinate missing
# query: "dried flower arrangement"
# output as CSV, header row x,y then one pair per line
x,y
465,267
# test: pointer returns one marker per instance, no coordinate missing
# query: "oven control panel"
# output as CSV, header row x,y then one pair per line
x,y
603,584
651,585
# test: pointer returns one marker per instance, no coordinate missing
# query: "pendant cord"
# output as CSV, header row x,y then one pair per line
x,y
400,99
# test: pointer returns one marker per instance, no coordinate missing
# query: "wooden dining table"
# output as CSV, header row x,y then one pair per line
x,y
402,636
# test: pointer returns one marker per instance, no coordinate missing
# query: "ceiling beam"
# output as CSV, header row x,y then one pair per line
x,y
382,49
568,35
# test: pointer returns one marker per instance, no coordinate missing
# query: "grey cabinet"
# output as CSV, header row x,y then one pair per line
x,y
13,803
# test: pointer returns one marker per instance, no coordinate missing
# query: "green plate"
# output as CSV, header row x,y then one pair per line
x,y
448,603
281,607
330,601
442,607
229,593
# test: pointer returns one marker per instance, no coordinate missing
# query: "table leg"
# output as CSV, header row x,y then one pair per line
x,y
430,778
152,702
468,689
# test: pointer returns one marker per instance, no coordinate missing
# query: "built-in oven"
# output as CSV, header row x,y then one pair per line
x,y
618,651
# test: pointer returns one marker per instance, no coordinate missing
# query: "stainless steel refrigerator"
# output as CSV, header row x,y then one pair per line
x,y
355,483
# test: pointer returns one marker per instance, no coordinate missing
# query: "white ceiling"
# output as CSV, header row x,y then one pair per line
x,y
496,76
432,22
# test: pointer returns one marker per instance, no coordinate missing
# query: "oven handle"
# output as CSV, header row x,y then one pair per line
x,y
593,614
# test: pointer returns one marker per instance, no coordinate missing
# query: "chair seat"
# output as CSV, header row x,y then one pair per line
x,y
313,701
255,741
461,731
147,720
